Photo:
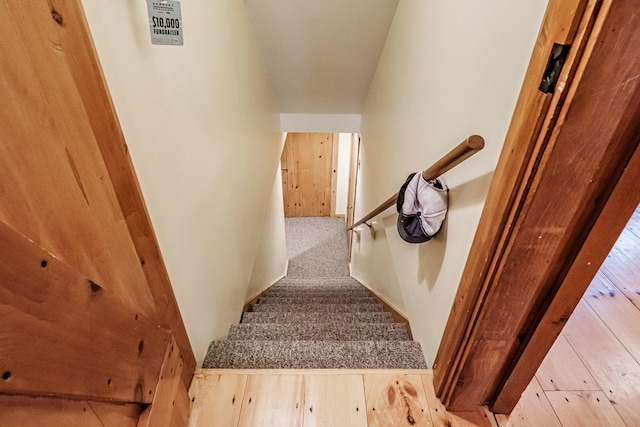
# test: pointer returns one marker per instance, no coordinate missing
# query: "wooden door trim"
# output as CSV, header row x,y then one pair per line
x,y
488,337
557,309
334,173
354,162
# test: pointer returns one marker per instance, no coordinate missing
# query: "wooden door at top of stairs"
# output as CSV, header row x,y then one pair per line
x,y
90,332
306,174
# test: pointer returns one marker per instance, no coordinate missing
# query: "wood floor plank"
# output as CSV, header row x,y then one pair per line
x,y
584,408
396,400
607,360
440,416
532,410
273,400
629,243
634,223
624,274
617,312
562,369
216,399
334,400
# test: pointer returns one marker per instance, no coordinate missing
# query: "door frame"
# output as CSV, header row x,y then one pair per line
x,y
563,190
354,167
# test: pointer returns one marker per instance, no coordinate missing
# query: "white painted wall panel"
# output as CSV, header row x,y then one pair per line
x,y
204,134
450,68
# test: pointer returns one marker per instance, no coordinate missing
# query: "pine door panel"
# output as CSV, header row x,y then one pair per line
x,y
306,174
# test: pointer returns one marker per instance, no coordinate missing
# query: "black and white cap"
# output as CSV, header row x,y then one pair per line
x,y
422,207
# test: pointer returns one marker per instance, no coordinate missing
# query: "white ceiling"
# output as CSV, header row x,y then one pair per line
x,y
320,55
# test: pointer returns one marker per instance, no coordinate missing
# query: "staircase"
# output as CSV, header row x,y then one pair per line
x,y
317,317
331,323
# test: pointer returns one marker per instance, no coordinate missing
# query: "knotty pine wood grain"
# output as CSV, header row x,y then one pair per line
x,y
63,334
338,397
307,174
60,195
181,407
441,417
273,400
160,412
216,397
28,411
74,190
334,401
397,400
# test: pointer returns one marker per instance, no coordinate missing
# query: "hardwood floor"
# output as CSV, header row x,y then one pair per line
x,y
591,376
330,398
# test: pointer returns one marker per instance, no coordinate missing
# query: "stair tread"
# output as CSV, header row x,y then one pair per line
x,y
329,280
353,307
319,331
327,299
316,288
315,317
286,292
263,354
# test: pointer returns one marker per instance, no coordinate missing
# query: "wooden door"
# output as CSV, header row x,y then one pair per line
x,y
564,188
90,332
307,174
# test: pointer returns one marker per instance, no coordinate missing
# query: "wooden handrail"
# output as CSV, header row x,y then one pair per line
x,y
461,152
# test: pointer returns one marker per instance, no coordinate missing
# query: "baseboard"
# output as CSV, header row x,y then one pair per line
x,y
398,317
254,298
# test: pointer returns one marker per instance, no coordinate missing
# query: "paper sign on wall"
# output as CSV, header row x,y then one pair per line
x,y
165,22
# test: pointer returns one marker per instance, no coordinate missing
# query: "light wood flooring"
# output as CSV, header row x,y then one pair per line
x,y
332,398
591,376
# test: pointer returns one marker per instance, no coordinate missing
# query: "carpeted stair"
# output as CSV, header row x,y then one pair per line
x,y
317,317
316,324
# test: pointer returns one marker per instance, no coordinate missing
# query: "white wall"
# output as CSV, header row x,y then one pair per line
x,y
450,68
320,122
271,261
204,134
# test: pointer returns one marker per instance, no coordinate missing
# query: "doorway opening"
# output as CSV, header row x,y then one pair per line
x,y
319,174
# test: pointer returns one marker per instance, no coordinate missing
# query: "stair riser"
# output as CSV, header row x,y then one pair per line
x,y
316,288
310,292
317,300
322,308
305,317
315,355
332,280
319,332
